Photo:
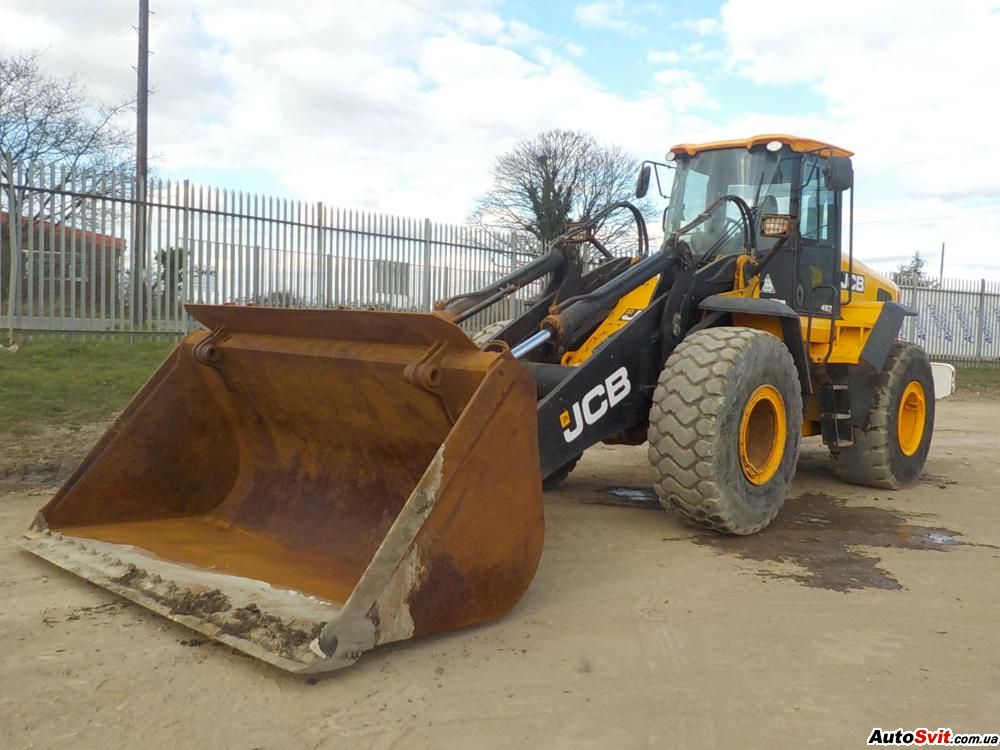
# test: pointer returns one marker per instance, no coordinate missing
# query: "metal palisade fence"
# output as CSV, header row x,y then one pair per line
x,y
76,254
957,319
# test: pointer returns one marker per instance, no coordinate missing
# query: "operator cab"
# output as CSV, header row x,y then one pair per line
x,y
771,175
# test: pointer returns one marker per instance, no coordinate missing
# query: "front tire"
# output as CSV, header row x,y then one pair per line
x,y
724,428
891,447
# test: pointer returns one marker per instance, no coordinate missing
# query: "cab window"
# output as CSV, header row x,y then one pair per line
x,y
819,214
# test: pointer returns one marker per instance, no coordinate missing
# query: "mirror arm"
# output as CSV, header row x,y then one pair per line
x,y
759,268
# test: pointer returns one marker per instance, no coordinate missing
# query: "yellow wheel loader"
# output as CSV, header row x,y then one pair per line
x,y
305,485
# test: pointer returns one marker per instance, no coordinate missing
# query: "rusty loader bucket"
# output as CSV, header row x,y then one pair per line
x,y
306,485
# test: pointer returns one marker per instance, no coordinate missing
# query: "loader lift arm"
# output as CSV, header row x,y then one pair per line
x,y
563,261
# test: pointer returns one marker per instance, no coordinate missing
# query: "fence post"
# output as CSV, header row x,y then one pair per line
x,y
428,302
324,281
14,249
913,303
257,288
512,298
137,276
188,256
980,320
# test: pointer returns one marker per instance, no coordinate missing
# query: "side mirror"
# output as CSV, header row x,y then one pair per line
x,y
642,183
838,173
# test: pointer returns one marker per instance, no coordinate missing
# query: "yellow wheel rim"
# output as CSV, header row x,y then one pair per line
x,y
912,418
763,430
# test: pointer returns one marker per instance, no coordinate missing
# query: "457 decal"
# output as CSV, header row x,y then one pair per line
x,y
595,404
854,281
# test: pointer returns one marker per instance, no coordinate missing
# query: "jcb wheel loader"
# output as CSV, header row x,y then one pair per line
x,y
306,485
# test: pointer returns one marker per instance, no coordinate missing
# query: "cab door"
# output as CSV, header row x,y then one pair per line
x,y
818,256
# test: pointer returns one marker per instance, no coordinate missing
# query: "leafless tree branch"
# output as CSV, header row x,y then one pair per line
x,y
52,126
557,177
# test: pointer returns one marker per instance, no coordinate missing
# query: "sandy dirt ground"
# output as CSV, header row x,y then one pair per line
x,y
857,608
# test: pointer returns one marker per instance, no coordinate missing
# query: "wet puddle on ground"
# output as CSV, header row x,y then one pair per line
x,y
834,545
627,497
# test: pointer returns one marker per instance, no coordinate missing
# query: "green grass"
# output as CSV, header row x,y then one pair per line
x,y
984,381
71,383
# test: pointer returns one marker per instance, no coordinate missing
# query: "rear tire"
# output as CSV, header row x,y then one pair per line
x,y
890,449
724,428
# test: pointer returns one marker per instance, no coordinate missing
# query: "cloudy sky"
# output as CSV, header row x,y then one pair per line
x,y
400,105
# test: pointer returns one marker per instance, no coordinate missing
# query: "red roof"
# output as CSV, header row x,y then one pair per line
x,y
83,236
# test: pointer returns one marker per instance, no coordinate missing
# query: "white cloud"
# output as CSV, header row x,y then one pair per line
x,y
683,89
403,113
695,53
605,14
516,33
703,26
663,57
909,87
47,27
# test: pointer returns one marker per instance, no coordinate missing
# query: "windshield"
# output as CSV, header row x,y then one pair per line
x,y
702,179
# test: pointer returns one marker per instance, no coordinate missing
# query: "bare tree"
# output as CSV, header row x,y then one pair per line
x,y
55,121
557,177
49,123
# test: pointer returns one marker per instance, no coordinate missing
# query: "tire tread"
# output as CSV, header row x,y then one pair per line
x,y
687,407
868,461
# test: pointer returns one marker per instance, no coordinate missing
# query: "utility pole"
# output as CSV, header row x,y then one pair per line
x,y
141,150
941,274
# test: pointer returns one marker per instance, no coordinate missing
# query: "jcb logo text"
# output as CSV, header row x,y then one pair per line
x,y
595,404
